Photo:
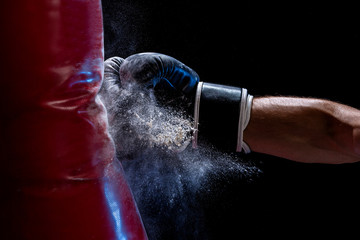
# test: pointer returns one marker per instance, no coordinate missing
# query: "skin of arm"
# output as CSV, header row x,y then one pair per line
x,y
304,130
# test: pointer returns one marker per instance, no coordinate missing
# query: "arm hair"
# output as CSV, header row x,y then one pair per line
x,y
304,130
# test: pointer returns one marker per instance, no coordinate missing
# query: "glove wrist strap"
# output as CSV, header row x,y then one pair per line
x,y
224,109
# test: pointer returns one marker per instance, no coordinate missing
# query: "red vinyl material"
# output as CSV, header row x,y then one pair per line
x,y
59,176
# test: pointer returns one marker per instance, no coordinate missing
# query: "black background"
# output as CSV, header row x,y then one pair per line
x,y
299,48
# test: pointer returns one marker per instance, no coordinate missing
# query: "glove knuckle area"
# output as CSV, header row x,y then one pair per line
x,y
142,67
112,65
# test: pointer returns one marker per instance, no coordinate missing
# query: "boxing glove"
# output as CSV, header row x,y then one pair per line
x,y
152,69
59,176
224,112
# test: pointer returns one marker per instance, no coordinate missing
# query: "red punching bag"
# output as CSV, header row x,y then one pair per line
x,y
59,176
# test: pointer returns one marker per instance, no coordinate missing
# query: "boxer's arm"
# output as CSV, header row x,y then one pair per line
x,y
304,130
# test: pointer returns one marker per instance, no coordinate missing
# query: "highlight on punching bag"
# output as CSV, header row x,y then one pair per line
x,y
59,176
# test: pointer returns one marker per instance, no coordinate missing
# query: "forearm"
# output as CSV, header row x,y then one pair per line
x,y
304,130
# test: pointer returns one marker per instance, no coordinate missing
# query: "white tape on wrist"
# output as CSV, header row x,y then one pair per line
x,y
196,114
244,118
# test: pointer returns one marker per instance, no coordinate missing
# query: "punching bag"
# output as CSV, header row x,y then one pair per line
x,y
59,176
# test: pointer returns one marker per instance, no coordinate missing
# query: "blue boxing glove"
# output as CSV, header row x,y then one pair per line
x,y
225,110
153,69
139,117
